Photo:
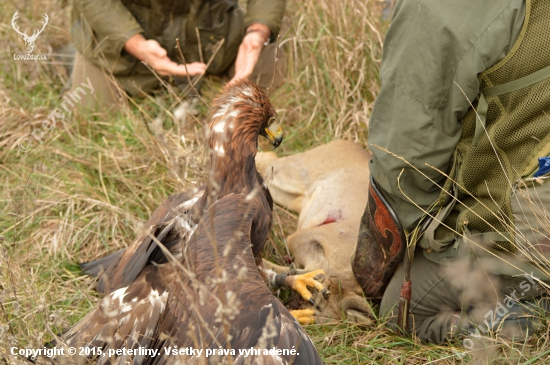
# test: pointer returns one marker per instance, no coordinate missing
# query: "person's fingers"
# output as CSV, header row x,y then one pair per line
x,y
244,72
239,65
194,68
167,67
245,69
248,55
157,58
163,66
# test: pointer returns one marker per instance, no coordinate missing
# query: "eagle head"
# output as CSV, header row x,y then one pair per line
x,y
239,115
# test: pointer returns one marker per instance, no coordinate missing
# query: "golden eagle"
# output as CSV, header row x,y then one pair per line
x,y
191,280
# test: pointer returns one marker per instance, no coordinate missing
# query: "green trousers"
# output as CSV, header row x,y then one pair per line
x,y
448,299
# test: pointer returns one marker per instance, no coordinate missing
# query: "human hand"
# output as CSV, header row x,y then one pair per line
x,y
152,53
250,49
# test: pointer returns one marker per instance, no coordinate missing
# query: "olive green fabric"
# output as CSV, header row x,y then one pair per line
x,y
100,28
107,97
432,60
489,166
530,210
446,299
433,52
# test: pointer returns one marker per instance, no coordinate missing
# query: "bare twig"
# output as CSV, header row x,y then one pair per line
x,y
275,67
199,42
187,73
197,79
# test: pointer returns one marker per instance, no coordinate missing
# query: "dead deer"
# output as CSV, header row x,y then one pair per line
x,y
327,186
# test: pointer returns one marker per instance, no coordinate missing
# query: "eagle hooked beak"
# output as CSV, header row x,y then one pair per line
x,y
273,132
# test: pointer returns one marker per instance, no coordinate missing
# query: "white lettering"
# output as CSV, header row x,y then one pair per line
x,y
89,86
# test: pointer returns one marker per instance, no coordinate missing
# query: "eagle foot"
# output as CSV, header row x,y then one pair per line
x,y
299,283
304,316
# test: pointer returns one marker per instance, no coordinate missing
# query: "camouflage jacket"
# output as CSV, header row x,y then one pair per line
x,y
433,53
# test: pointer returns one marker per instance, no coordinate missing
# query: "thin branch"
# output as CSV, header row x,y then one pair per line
x,y
275,67
192,84
200,44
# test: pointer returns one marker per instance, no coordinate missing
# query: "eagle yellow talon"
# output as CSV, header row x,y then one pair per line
x,y
304,316
299,283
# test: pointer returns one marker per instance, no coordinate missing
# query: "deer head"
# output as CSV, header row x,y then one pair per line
x,y
29,40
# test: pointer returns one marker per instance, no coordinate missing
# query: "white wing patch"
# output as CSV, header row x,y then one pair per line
x,y
126,308
188,204
247,91
119,294
233,114
220,126
221,111
153,297
236,99
227,106
220,151
185,225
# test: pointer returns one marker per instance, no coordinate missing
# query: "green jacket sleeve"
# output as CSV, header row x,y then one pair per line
x,y
433,52
111,22
267,12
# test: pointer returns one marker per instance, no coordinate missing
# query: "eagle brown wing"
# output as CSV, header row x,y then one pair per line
x,y
125,318
123,267
220,301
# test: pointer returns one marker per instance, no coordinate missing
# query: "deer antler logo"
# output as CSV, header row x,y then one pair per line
x,y
29,40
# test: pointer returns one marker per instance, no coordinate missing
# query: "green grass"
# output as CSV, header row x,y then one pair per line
x,y
95,181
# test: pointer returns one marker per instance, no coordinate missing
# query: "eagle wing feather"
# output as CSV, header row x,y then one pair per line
x,y
255,320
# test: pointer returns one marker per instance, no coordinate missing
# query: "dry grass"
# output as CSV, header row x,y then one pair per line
x,y
88,189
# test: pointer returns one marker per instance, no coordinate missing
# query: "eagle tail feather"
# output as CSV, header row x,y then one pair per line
x,y
94,268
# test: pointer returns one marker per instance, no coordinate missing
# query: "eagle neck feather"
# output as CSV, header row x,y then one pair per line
x,y
237,118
